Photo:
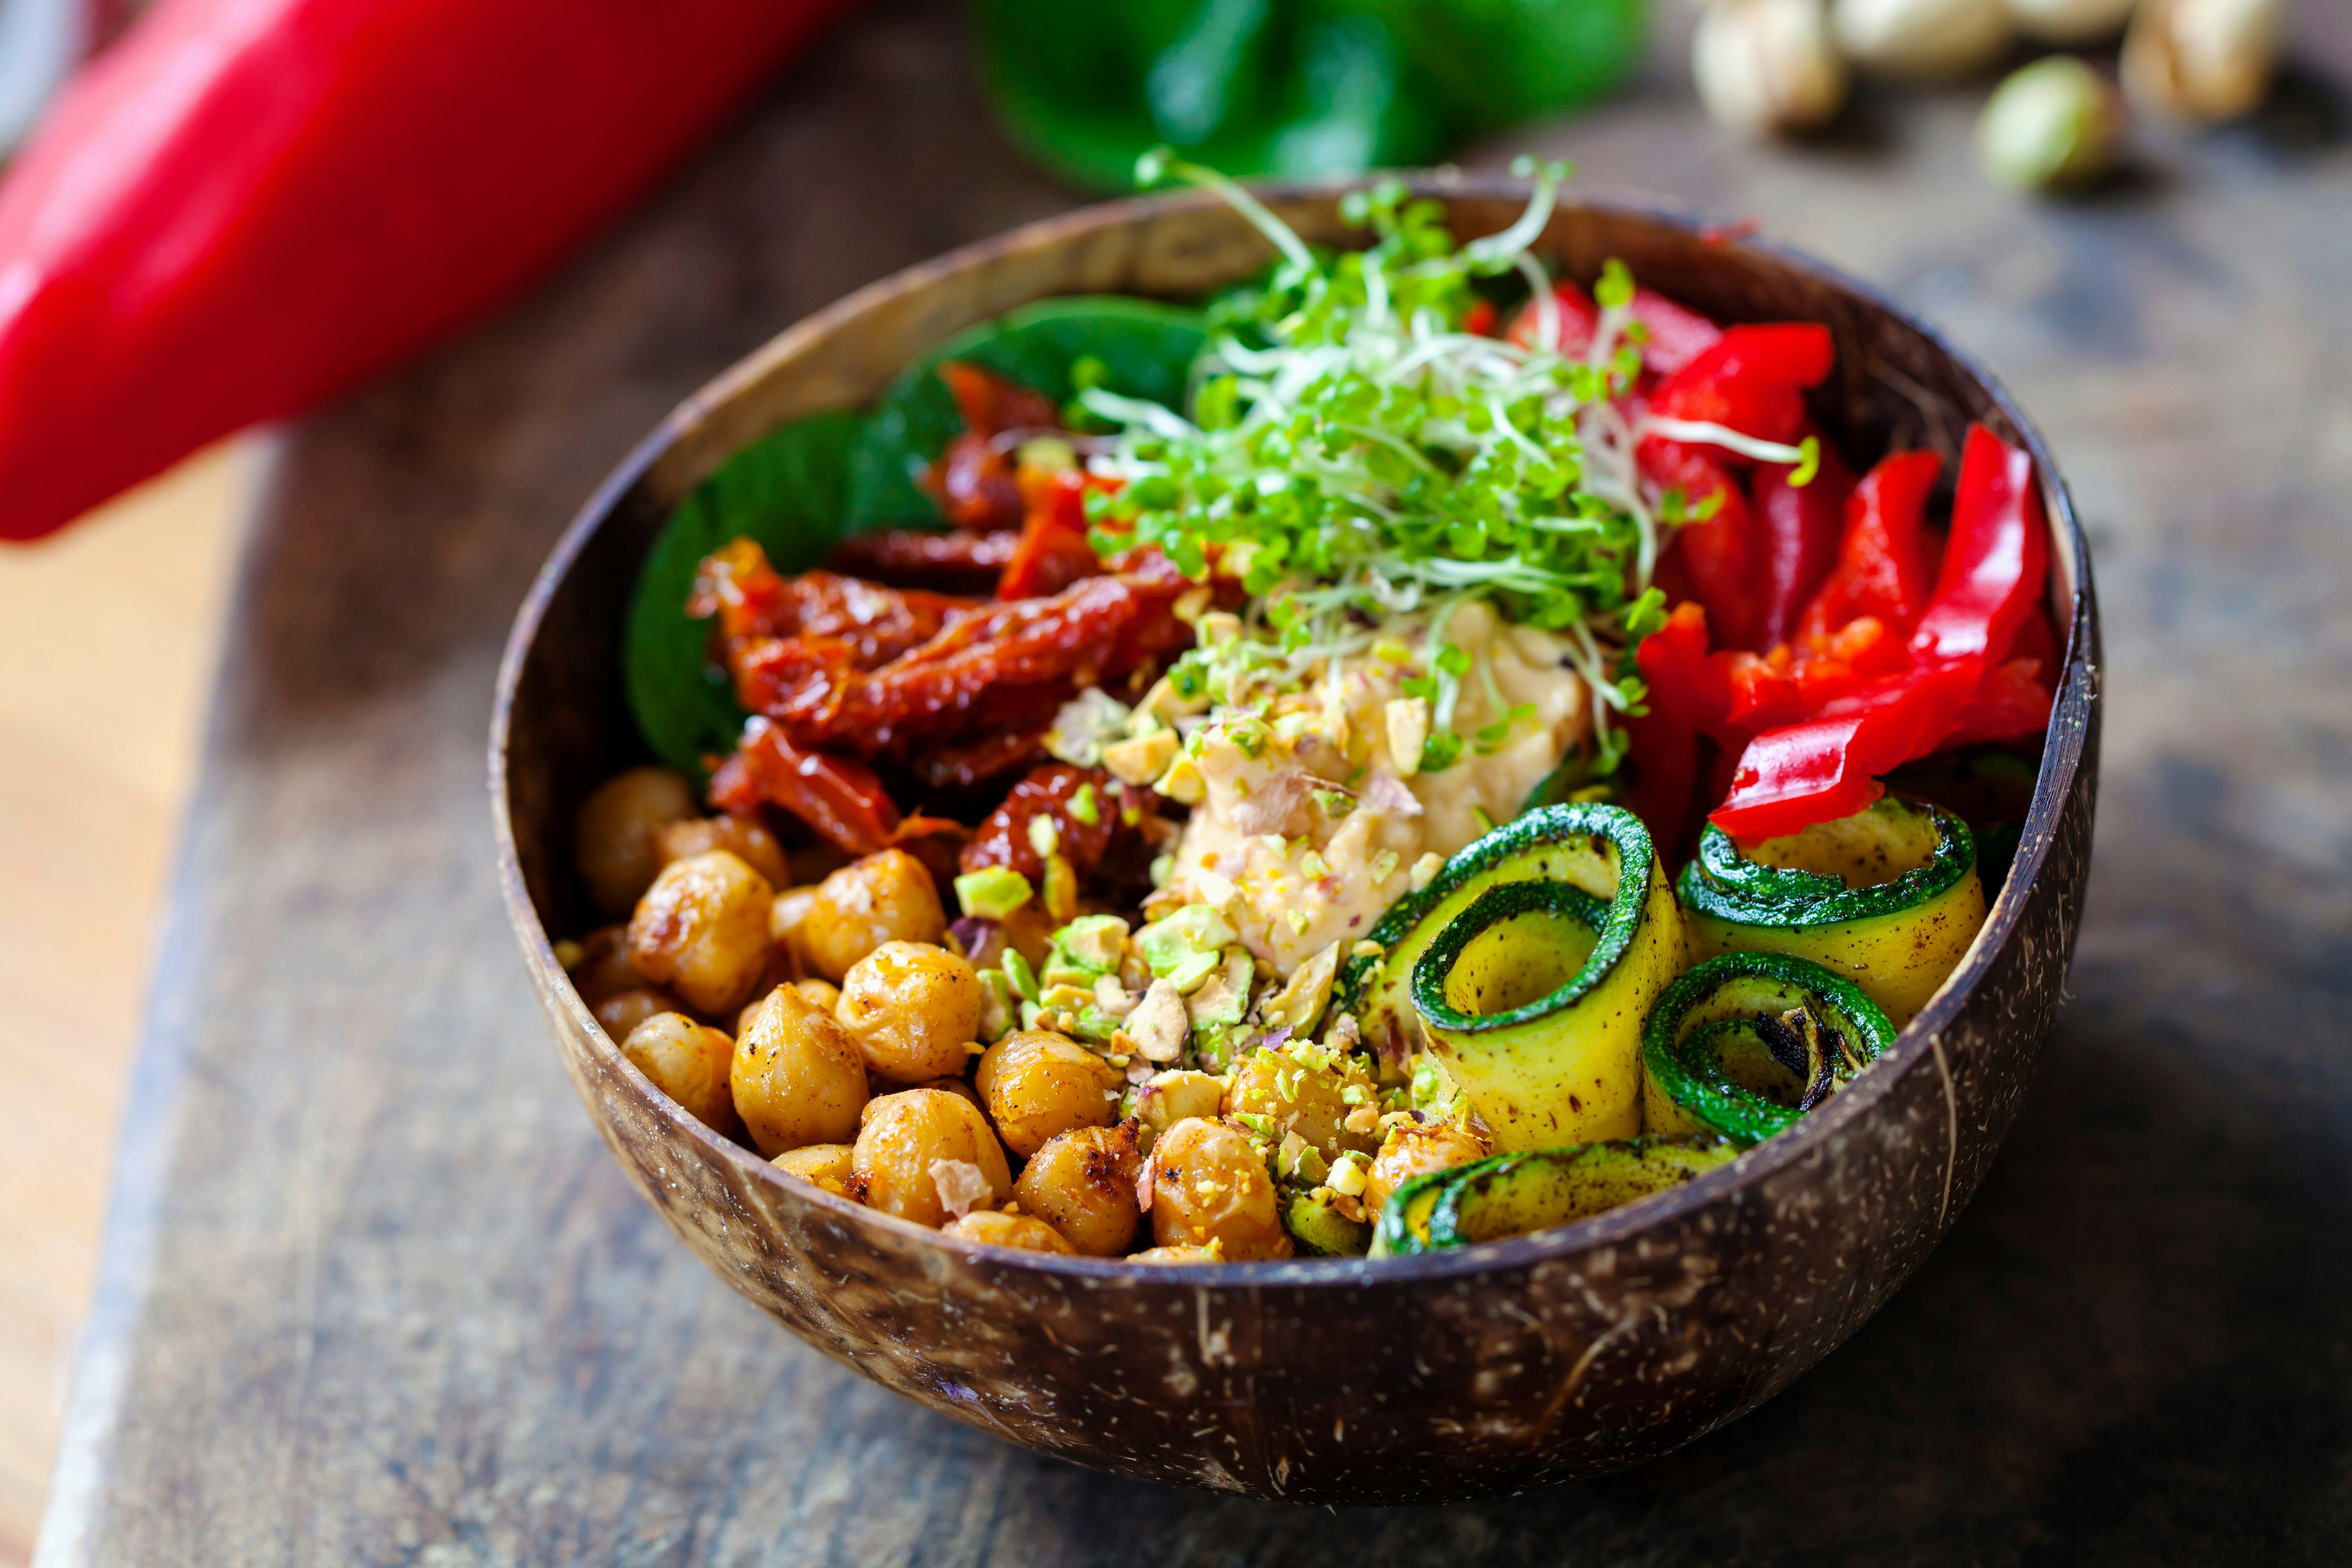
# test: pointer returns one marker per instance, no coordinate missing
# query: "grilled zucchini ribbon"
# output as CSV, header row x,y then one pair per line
x,y
1888,898
1744,1043
1527,967
1509,1194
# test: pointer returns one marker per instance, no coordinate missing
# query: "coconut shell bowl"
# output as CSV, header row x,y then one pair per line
x,y
1486,1369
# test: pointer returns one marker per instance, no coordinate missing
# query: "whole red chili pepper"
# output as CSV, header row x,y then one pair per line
x,y
246,205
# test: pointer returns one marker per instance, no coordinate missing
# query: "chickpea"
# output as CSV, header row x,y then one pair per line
x,y
1082,1183
688,1061
923,1154
613,843
992,1229
603,967
887,897
1036,1083
823,994
744,839
1311,1092
624,1010
1415,1150
702,930
962,1086
825,1166
1209,1187
912,1009
798,1079
786,918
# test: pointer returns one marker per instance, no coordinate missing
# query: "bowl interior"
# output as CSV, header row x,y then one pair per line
x,y
563,723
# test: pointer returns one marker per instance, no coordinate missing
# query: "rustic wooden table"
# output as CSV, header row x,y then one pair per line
x,y
374,1293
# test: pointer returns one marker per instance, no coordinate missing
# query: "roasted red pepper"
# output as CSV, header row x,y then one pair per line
x,y
246,205
1672,337
1716,555
1882,559
1796,534
1950,686
1997,563
1753,379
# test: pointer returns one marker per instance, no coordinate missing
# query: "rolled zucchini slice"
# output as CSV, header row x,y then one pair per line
x,y
1527,967
1888,898
1512,1195
1744,1044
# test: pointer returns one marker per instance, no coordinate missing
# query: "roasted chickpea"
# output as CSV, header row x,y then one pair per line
x,y
603,967
823,993
1209,1187
912,1009
925,1155
1416,1150
624,1010
798,1079
744,839
702,930
1036,1083
688,1061
1082,1183
992,1228
953,1087
1313,1092
613,841
887,897
819,1164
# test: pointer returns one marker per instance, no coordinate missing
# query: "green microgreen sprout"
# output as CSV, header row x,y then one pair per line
x,y
1367,467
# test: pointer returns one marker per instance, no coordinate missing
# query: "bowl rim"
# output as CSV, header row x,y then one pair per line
x,y
1920,1040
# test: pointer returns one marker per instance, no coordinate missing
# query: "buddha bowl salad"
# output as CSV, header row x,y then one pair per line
x,y
1408,751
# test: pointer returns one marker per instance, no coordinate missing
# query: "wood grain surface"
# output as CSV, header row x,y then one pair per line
x,y
374,1292
107,640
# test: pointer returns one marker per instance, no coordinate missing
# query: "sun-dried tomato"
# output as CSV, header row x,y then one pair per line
x,y
973,480
961,562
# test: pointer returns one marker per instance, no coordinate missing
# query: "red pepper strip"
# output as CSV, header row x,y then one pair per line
x,y
1881,568
1997,564
1480,318
1684,681
1718,556
1752,380
246,205
1797,533
1676,334
1662,759
2010,701
838,796
1827,767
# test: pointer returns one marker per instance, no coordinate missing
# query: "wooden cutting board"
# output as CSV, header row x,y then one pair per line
x,y
374,1293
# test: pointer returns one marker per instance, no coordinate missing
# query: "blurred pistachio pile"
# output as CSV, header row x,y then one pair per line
x,y
1289,87
1774,66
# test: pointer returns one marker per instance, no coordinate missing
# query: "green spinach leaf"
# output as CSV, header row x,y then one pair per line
x,y
788,490
798,489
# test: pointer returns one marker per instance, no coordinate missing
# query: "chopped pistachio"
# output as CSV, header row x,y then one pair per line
x,y
1061,887
1045,834
992,891
1022,978
1158,1024
1140,758
1182,782
1407,722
